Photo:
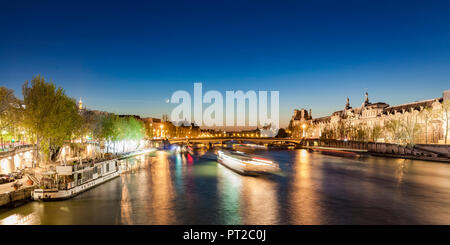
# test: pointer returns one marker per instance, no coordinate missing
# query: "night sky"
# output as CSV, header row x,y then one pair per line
x,y
129,57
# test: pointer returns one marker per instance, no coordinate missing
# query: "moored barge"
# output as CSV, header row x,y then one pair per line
x,y
70,180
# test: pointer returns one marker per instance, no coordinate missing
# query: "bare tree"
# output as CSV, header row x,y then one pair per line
x,y
410,127
376,131
426,114
445,115
394,128
343,129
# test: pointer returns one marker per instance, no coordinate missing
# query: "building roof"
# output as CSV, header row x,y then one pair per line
x,y
151,120
321,119
386,109
135,116
377,105
414,105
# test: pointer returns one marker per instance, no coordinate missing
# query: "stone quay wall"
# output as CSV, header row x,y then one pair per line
x,y
20,195
420,150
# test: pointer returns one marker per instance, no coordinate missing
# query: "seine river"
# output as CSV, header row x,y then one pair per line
x,y
165,188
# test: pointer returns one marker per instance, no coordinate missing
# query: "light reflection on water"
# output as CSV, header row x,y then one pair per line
x,y
304,200
162,191
260,201
126,209
229,187
167,188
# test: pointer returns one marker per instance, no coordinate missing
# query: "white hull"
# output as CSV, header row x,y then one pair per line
x,y
232,164
247,166
55,194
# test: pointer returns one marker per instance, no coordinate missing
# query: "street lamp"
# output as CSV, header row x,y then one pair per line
x,y
304,126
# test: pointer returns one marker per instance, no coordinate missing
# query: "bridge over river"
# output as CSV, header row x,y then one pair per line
x,y
222,140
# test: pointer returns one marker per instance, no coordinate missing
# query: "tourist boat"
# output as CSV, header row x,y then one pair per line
x,y
181,149
251,146
338,153
246,164
70,180
282,146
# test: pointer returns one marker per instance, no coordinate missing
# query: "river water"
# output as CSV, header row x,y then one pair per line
x,y
166,188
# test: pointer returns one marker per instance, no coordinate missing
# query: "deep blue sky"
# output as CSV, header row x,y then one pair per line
x,y
128,57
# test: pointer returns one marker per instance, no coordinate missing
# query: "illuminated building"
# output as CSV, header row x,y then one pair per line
x,y
423,121
152,127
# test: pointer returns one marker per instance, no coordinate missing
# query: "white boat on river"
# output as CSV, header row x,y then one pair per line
x,y
246,164
70,180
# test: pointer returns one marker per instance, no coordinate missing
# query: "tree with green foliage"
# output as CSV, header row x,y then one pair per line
x,y
136,129
108,131
50,115
129,129
114,129
10,111
90,124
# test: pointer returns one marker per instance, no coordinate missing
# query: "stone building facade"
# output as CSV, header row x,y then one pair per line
x,y
417,122
299,121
